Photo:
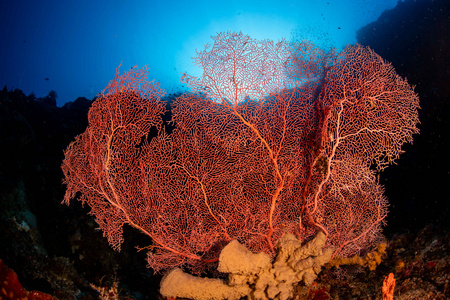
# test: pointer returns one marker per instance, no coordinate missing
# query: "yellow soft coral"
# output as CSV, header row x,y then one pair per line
x,y
371,260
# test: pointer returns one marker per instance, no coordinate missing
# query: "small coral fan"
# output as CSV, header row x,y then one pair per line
x,y
388,287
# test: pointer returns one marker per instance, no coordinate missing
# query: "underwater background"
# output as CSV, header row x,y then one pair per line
x,y
56,56
74,47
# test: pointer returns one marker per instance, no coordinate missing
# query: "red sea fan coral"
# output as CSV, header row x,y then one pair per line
x,y
275,138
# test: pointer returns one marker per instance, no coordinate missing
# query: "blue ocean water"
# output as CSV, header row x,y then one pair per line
x,y
74,47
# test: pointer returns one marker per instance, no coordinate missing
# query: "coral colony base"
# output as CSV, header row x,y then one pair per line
x,y
277,145
252,274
